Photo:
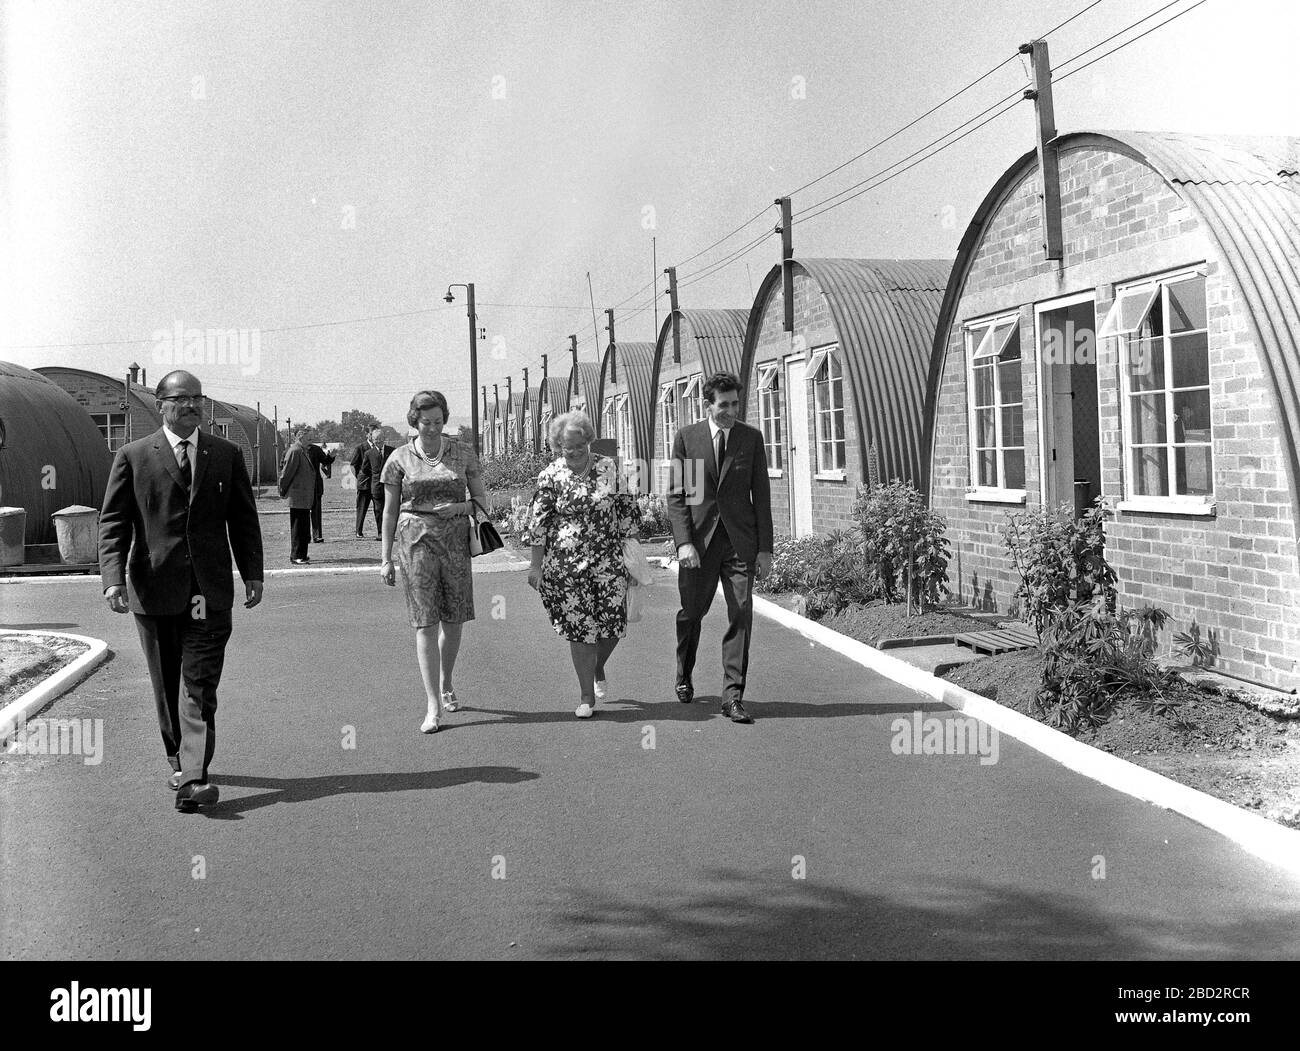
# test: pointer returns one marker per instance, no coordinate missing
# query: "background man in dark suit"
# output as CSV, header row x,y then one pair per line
x,y
171,500
719,503
320,461
367,464
297,483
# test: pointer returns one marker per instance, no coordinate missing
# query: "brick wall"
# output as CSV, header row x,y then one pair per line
x,y
100,395
1236,572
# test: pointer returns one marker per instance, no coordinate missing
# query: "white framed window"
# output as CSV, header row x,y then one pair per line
x,y
668,416
1165,393
996,408
112,427
608,423
827,374
623,427
770,412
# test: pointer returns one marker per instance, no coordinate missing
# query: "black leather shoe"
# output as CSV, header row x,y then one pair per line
x,y
735,711
194,795
686,693
174,782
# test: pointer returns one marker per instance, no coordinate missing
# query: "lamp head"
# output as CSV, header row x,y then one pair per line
x,y
449,298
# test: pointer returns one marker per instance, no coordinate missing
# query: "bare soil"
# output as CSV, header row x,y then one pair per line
x,y
879,620
25,660
1220,742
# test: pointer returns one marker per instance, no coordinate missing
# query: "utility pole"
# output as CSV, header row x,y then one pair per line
x,y
609,327
654,280
787,256
257,447
676,316
573,349
1045,129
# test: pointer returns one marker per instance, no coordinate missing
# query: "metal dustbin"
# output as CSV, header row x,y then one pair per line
x,y
77,531
13,528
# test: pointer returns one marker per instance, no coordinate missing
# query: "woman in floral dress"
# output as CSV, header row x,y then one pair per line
x,y
578,520
426,525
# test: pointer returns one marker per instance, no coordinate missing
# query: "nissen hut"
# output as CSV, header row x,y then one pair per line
x,y
839,395
552,401
692,346
1153,360
627,416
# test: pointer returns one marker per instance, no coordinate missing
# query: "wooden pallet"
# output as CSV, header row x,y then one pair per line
x,y
999,640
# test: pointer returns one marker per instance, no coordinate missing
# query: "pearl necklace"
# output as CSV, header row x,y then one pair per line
x,y
442,448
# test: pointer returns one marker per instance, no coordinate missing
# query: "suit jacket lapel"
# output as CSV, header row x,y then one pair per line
x,y
165,455
200,462
711,456
732,438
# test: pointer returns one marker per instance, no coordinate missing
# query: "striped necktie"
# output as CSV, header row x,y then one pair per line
x,y
183,457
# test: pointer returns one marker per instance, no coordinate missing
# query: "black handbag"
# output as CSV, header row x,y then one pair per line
x,y
484,532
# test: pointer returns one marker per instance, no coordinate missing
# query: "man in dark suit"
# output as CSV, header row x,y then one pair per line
x,y
321,461
172,499
297,484
367,464
719,503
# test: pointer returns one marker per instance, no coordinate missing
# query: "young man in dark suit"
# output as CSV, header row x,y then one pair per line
x,y
172,499
367,464
719,503
321,461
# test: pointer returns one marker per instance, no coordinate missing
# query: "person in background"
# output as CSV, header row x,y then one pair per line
x,y
426,526
320,461
297,483
578,520
367,463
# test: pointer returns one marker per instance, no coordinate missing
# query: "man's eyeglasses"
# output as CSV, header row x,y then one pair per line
x,y
186,399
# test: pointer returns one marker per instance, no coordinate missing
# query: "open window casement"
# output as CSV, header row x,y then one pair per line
x,y
667,393
767,377
1129,310
692,388
996,338
816,362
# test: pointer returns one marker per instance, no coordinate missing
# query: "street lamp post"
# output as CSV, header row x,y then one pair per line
x,y
473,353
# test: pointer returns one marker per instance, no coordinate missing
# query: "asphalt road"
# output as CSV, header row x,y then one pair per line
x,y
394,848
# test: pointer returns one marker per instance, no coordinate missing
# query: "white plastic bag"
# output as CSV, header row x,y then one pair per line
x,y
633,602
638,569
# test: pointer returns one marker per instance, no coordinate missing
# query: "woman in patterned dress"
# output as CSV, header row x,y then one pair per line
x,y
426,525
579,517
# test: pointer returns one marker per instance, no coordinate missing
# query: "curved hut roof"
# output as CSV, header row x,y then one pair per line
x,y
634,367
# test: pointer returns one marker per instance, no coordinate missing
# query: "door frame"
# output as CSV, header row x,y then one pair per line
x,y
1046,417
800,496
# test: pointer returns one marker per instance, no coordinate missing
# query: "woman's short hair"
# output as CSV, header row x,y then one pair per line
x,y
422,402
577,421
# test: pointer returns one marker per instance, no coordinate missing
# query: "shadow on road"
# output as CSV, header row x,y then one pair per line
x,y
702,709
308,789
741,916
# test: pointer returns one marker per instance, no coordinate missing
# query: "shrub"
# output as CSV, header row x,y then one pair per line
x,y
790,560
1093,656
837,576
654,516
903,544
1201,651
516,468
1061,562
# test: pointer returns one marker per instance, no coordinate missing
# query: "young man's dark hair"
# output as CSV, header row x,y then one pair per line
x,y
720,381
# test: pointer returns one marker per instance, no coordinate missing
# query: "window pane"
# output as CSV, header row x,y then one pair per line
x,y
983,386
837,394
988,467
984,433
1014,462
1150,472
839,456
1155,320
1010,347
1193,468
1189,358
1192,416
1009,379
1146,364
838,419
1013,426
1187,305
1148,419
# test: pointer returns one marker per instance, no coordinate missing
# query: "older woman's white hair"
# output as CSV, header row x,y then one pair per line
x,y
576,422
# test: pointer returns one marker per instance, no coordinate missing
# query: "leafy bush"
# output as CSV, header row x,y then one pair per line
x,y
1093,656
1061,562
1202,652
516,468
791,558
903,544
654,516
837,577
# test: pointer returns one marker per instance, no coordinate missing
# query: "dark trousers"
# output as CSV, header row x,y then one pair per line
x,y
185,655
316,530
364,498
299,531
697,588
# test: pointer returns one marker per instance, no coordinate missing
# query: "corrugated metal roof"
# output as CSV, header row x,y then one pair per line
x,y
584,382
635,369
142,396
884,312
46,430
531,415
251,422
718,336
1245,192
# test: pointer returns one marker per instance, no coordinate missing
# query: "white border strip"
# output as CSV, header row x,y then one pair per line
x,y
49,690
1256,835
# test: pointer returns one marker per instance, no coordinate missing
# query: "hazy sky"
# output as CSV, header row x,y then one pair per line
x,y
265,165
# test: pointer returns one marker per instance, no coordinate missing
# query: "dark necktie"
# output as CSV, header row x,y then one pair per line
x,y
722,447
186,475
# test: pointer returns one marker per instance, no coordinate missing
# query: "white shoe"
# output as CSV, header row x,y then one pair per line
x,y
584,711
449,702
600,689
430,724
